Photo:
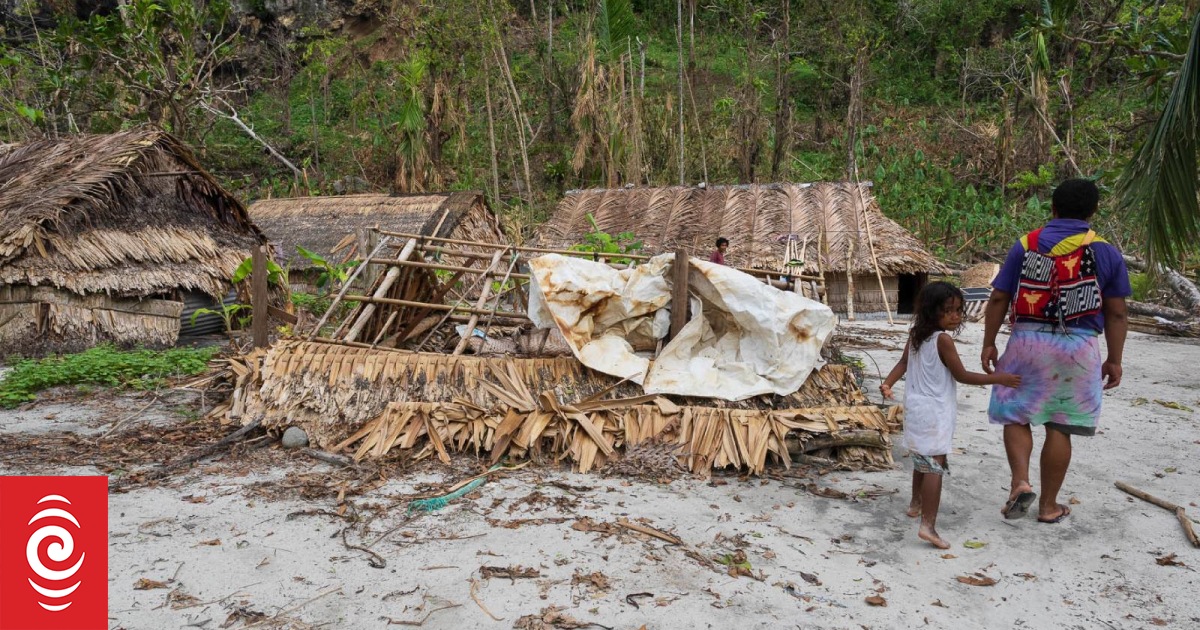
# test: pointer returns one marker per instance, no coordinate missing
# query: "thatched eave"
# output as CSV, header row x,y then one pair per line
x,y
827,220
321,224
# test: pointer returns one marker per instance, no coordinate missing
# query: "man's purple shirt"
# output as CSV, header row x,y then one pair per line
x,y
1110,267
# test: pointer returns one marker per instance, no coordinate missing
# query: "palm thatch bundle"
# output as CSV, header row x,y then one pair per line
x,y
759,219
100,235
374,401
127,214
327,225
835,229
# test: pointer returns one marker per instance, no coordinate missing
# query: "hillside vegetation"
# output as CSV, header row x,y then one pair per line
x,y
962,112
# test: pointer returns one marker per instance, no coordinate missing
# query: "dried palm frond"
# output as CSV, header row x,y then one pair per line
x,y
129,213
377,401
756,218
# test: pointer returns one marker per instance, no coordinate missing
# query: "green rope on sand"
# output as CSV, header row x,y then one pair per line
x,y
434,504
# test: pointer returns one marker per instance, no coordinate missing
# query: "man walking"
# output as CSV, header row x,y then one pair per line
x,y
1063,286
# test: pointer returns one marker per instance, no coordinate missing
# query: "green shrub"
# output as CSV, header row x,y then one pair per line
x,y
102,365
1142,286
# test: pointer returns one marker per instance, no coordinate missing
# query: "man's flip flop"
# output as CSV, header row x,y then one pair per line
x,y
1066,511
1018,506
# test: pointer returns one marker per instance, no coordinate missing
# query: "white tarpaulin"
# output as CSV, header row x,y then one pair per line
x,y
744,337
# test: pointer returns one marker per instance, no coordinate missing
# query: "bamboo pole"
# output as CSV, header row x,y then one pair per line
x,y
391,262
849,282
822,244
345,287
887,308
386,326
384,285
436,307
484,292
575,254
496,303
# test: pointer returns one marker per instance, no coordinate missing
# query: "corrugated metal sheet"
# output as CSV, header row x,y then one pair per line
x,y
206,323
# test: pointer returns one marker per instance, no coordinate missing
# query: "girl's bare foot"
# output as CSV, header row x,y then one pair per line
x,y
914,509
928,534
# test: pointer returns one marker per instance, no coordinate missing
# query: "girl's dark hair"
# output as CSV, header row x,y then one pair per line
x,y
930,302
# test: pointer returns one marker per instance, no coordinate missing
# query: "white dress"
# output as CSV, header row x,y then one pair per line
x,y
930,401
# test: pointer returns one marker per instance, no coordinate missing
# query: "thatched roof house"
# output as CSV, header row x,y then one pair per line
x,y
104,237
325,224
826,224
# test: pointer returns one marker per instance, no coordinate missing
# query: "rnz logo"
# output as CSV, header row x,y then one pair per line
x,y
61,549
53,553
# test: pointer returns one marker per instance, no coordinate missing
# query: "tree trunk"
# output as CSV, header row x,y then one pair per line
x,y
487,95
679,46
1183,288
783,97
854,113
1155,310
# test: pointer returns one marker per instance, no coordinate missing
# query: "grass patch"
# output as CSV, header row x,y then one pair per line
x,y
102,365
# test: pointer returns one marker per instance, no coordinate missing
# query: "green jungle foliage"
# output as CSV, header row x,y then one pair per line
x,y
963,113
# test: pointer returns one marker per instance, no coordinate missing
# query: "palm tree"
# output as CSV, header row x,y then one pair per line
x,y
1161,180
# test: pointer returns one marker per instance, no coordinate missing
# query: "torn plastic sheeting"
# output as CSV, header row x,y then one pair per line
x,y
744,337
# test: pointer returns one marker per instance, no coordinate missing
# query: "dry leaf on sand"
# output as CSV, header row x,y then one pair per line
x,y
976,580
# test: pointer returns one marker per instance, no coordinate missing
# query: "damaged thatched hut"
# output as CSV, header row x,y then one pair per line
x,y
339,228
104,238
836,229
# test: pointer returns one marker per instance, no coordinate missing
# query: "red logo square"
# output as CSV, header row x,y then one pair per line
x,y
53,553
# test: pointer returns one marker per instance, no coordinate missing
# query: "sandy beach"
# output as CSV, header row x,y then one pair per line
x,y
269,538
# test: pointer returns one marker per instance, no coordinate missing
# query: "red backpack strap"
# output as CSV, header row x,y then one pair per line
x,y
1031,240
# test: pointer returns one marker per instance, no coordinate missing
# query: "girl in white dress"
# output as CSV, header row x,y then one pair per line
x,y
931,366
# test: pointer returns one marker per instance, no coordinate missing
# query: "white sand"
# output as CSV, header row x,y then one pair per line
x,y
1095,570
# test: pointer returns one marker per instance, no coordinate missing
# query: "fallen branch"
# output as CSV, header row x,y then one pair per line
x,y
127,418
649,531
376,560
202,453
872,439
475,596
1155,310
250,132
1180,513
329,458
293,609
422,620
1151,326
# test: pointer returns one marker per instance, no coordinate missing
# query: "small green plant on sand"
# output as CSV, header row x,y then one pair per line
x,y
102,365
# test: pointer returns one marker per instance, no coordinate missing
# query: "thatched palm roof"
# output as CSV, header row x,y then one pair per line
x,y
130,213
756,218
320,224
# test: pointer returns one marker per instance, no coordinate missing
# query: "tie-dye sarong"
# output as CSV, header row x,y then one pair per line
x,y
1060,379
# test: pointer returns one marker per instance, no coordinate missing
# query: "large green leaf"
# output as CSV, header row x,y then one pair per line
x,y
1161,179
615,24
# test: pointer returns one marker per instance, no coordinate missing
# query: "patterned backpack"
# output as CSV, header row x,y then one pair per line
x,y
1061,286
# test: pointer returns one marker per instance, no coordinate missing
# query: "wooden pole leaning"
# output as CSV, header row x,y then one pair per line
x,y
345,287
484,292
887,308
385,284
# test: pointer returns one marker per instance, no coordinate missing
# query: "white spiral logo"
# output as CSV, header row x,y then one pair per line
x,y
59,551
